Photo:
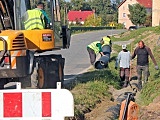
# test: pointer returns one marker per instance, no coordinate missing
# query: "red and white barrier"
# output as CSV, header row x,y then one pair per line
x,y
36,104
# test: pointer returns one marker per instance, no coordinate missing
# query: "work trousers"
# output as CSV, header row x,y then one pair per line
x,y
92,55
124,74
145,70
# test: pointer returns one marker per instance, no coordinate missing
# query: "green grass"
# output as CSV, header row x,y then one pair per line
x,y
133,34
149,92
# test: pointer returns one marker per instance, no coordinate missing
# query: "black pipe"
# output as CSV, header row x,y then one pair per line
x,y
103,61
106,49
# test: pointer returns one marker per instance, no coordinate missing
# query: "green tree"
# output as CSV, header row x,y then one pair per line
x,y
107,7
92,21
137,14
148,21
80,5
104,9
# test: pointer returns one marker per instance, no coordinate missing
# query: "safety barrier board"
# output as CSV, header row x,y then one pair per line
x,y
36,104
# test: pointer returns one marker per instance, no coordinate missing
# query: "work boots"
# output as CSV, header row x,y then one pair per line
x,y
139,85
125,84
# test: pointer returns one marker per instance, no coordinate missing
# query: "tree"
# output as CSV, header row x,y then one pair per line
x,y
148,21
137,14
92,21
80,5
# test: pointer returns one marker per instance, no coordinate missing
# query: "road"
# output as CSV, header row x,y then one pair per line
x,y
76,57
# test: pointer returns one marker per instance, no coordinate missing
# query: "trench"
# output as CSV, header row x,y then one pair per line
x,y
119,96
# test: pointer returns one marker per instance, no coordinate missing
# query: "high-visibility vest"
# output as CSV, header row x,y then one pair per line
x,y
94,47
106,41
34,20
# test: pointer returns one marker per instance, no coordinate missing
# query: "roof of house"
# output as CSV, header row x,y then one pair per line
x,y
145,3
78,15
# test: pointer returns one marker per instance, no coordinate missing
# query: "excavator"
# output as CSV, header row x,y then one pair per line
x,y
21,51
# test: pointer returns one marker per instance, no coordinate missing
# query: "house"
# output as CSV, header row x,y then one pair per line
x,y
155,13
78,16
123,10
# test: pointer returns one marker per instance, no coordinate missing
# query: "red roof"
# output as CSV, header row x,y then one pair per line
x,y
145,3
78,15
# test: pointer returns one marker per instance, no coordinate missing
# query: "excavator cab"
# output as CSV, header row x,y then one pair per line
x,y
12,14
60,33
18,45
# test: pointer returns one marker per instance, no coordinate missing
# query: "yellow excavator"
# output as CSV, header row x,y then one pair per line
x,y
19,48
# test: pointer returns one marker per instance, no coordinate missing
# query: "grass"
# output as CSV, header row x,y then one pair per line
x,y
132,34
92,87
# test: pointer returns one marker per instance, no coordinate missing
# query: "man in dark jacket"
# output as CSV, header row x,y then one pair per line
x,y
142,52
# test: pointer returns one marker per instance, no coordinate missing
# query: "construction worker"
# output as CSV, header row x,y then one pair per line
x,y
40,6
107,41
107,46
33,19
36,18
142,52
93,49
123,60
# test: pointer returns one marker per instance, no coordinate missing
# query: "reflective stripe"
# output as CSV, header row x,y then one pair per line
x,y
31,20
14,54
30,26
94,47
34,20
13,62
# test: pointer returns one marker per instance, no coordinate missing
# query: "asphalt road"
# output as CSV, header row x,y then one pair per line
x,y
76,57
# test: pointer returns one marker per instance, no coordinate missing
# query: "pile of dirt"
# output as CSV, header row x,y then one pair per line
x,y
152,111
109,110
101,111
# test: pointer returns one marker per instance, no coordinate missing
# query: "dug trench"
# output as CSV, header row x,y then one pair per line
x,y
110,110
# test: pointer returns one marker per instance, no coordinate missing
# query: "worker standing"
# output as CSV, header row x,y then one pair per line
x,y
142,52
93,49
123,60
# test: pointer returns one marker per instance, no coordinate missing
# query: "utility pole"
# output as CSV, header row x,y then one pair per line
x,y
94,13
65,14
